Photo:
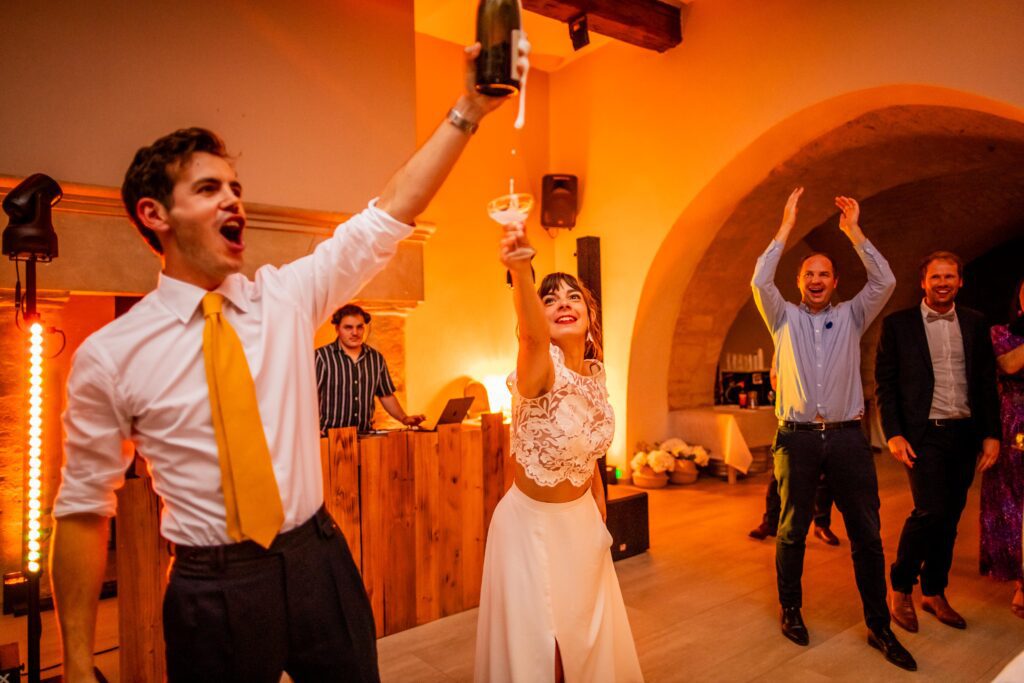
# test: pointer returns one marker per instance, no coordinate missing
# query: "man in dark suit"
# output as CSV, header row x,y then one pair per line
x,y
935,376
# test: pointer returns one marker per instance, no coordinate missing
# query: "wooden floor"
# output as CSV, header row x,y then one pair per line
x,y
703,606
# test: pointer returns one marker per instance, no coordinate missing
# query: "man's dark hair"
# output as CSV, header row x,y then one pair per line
x,y
942,256
155,168
835,269
347,310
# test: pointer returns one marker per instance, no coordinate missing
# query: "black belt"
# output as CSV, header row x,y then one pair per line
x,y
819,426
320,523
949,422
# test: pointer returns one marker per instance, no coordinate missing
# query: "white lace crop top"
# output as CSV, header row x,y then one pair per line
x,y
558,436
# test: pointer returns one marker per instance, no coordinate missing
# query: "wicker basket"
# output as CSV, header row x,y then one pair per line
x,y
685,472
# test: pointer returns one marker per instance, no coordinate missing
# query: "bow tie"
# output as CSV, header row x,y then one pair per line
x,y
932,316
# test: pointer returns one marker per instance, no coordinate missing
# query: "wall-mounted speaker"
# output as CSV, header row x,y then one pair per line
x,y
559,201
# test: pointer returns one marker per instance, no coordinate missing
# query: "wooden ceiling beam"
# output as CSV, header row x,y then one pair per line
x,y
649,24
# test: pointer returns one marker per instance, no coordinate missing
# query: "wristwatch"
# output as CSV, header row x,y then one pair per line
x,y
461,122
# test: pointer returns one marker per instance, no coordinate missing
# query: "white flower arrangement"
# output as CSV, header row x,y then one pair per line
x,y
657,460
681,450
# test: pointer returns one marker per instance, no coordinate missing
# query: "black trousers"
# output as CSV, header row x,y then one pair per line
x,y
241,613
939,481
844,457
773,505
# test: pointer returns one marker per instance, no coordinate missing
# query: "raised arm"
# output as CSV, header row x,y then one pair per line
x,y
766,295
410,190
870,300
535,373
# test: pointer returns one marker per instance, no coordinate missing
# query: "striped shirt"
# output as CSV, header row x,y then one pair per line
x,y
346,387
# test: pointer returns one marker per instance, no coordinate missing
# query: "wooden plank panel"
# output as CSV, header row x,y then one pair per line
x,y
400,503
142,561
423,448
372,511
472,516
449,456
647,23
339,456
510,461
495,452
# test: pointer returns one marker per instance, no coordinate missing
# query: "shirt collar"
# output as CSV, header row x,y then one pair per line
x,y
362,351
183,299
807,310
926,309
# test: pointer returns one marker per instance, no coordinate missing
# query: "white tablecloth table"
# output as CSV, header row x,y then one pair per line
x,y
727,431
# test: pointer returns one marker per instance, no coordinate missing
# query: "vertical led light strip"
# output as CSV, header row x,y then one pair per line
x,y
35,446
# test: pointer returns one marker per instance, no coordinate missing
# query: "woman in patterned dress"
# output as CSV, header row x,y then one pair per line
x,y
1002,485
550,603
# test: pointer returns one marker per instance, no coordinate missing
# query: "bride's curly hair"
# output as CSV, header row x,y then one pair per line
x,y
551,283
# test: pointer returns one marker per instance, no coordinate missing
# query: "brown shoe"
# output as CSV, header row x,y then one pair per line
x,y
937,605
901,606
826,535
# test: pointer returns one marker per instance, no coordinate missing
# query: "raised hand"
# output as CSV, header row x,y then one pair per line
x,y
486,103
515,250
789,214
849,218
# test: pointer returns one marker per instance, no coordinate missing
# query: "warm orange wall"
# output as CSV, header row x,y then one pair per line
x,y
650,133
78,317
466,326
315,97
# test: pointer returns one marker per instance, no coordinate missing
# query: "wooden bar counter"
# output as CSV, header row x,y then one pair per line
x,y
413,506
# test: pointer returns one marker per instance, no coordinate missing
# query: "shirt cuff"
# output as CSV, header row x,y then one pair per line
x,y
385,219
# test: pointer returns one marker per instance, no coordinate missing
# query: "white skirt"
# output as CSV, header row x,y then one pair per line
x,y
548,576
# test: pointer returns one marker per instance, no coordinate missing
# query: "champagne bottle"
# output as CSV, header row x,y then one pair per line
x,y
498,25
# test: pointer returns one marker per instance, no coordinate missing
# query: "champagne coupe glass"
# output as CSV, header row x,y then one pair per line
x,y
512,208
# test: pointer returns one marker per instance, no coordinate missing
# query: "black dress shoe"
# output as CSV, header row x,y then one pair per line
x,y
885,640
825,534
793,626
762,531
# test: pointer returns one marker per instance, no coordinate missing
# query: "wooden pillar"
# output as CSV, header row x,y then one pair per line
x,y
371,512
427,485
449,455
142,562
339,456
472,517
399,506
494,435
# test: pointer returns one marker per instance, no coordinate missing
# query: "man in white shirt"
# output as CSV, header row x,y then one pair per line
x,y
237,607
935,375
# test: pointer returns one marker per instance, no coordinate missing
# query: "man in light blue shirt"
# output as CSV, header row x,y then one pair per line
x,y
820,402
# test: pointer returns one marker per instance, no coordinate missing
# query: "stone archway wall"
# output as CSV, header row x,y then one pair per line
x,y
896,147
680,326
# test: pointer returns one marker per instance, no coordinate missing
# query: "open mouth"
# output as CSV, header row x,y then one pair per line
x,y
232,232
565,319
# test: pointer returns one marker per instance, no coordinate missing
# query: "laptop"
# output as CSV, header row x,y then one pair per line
x,y
454,413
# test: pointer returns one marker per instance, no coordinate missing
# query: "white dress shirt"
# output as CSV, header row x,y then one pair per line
x,y
142,377
949,368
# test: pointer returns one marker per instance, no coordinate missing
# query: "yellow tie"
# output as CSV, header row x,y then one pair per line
x,y
251,498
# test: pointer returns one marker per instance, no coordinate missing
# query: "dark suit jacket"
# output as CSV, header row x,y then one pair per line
x,y
905,381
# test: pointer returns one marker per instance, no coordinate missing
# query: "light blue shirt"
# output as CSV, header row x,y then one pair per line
x,y
817,355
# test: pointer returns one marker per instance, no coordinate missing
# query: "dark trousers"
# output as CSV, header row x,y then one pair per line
x,y
844,457
773,505
246,614
939,481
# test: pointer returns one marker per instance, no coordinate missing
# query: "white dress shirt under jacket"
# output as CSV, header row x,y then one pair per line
x,y
142,377
949,367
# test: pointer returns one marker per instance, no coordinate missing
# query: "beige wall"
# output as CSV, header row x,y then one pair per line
x,y
667,144
316,98
466,325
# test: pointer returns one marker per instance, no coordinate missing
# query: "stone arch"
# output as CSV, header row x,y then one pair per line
x,y
864,144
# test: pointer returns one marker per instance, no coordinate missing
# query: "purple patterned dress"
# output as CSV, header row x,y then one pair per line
x,y
1002,485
